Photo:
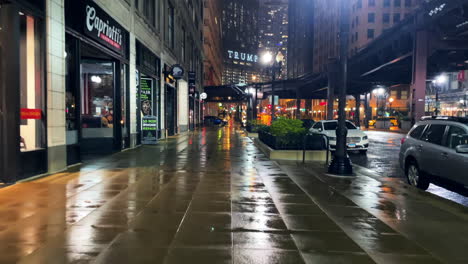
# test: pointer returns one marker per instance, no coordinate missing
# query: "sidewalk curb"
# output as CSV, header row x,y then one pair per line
x,y
386,130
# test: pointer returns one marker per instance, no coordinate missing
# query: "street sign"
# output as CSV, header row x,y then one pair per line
x,y
149,130
177,72
203,96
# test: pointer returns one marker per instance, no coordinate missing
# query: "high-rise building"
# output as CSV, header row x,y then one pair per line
x,y
213,45
273,29
301,37
240,41
369,19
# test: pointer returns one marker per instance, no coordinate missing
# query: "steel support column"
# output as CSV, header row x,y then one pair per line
x,y
357,113
418,87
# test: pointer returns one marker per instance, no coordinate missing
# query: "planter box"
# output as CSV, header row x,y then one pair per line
x,y
383,124
406,125
313,142
294,155
252,135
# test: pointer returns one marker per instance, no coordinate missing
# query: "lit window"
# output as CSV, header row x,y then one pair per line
x,y
32,95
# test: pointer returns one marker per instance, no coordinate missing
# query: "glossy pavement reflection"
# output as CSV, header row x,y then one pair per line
x,y
382,158
212,197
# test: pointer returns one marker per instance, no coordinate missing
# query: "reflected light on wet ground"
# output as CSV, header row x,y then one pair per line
x,y
204,197
382,157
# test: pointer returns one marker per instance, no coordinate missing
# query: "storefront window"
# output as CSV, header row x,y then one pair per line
x,y
97,99
146,96
32,127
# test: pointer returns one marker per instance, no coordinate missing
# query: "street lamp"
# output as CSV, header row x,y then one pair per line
x,y
438,82
380,94
274,66
341,164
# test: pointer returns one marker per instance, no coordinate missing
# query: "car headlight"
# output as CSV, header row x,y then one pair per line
x,y
365,138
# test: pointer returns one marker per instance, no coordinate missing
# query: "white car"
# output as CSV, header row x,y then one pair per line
x,y
357,140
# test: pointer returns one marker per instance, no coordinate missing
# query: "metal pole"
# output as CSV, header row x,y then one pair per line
x,y
341,164
464,105
254,108
272,93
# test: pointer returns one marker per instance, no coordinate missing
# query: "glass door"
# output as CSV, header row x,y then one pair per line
x,y
72,99
97,105
170,110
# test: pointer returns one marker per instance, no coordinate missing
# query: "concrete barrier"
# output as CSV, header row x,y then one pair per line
x,y
296,155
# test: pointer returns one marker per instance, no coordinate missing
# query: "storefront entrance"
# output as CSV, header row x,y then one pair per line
x,y
148,94
171,110
97,93
97,106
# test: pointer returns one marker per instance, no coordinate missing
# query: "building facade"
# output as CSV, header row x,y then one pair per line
x,y
301,36
85,78
213,45
240,41
368,19
371,18
273,30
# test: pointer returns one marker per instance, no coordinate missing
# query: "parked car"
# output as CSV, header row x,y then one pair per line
x,y
436,150
307,123
393,120
356,140
214,121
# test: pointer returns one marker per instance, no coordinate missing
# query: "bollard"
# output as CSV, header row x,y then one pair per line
x,y
327,145
304,148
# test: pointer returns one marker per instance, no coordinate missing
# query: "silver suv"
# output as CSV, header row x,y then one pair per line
x,y
436,149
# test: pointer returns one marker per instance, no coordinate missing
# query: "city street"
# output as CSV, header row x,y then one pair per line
x,y
219,131
213,197
382,157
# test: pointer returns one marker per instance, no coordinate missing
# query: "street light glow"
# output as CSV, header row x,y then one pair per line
x,y
267,57
379,91
441,79
391,100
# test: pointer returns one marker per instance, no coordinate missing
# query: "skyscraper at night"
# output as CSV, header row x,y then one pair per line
x,y
240,41
273,29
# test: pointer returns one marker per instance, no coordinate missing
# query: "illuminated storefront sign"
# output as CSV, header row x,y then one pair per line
x,y
26,113
236,55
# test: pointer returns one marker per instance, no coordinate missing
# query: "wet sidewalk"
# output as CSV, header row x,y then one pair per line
x,y
212,197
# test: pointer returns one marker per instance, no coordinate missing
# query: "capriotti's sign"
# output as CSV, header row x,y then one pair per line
x,y
101,27
242,56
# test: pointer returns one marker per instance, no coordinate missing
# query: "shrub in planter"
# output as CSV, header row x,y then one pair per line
x,y
254,126
283,127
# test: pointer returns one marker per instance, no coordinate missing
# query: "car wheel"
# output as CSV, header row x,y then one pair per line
x,y
416,177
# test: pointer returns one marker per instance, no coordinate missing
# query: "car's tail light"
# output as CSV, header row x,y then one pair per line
x,y
403,140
